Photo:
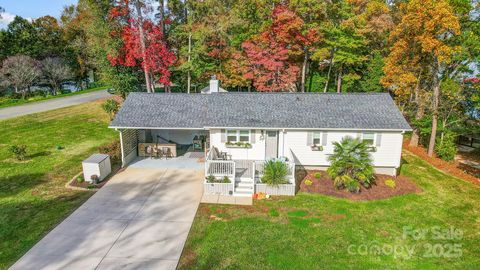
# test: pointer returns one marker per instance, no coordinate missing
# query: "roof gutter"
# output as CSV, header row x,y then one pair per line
x,y
266,128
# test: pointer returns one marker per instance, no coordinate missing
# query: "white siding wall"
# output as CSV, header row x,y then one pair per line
x,y
293,144
295,147
257,152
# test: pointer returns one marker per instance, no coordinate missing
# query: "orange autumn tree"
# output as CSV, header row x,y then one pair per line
x,y
420,52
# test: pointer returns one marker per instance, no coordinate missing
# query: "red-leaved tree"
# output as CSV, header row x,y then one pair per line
x,y
151,54
276,54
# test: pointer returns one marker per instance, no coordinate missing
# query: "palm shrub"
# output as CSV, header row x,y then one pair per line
x,y
351,165
275,173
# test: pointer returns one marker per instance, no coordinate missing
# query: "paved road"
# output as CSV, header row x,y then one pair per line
x,y
51,104
139,220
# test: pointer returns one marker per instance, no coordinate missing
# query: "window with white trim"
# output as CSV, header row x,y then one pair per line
x,y
234,136
368,138
317,137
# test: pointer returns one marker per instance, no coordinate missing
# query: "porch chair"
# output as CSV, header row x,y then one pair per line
x,y
149,151
166,152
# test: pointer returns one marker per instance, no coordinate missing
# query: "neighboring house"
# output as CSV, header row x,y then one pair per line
x,y
239,131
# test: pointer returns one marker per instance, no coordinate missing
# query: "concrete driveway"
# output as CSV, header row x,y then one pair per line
x,y
51,104
139,220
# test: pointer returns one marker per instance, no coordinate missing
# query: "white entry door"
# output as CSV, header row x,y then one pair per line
x,y
271,145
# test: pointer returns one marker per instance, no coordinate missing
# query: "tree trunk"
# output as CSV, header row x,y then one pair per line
x,y
152,82
436,97
304,71
418,115
416,132
310,81
161,20
339,80
442,134
329,72
189,74
142,45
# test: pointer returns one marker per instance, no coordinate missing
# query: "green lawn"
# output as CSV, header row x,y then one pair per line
x,y
33,198
312,231
9,102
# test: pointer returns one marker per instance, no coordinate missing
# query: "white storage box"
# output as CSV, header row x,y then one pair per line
x,y
96,164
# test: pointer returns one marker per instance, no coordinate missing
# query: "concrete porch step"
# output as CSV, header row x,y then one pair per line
x,y
242,194
244,189
244,184
246,180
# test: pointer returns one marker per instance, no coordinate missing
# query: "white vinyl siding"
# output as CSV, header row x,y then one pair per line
x,y
295,148
256,152
292,144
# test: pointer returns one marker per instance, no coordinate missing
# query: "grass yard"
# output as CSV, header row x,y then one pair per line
x,y
312,231
10,102
33,198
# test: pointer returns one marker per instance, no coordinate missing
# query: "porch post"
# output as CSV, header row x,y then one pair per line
x,y
121,148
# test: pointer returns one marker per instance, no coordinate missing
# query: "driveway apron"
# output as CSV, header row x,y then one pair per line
x,y
139,220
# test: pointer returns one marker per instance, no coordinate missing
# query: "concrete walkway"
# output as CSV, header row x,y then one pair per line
x,y
51,104
139,220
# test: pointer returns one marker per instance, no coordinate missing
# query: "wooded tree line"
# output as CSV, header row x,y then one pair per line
x,y
424,52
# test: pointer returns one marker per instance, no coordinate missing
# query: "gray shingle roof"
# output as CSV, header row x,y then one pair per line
x,y
261,110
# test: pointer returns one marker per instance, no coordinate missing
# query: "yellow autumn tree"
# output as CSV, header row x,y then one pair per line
x,y
420,51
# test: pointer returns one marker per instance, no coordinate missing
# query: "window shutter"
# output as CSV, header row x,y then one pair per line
x,y
379,139
324,138
223,137
309,138
252,136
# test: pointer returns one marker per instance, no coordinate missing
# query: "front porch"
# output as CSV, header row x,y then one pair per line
x,y
242,177
235,170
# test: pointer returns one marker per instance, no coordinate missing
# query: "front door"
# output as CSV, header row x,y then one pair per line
x,y
271,145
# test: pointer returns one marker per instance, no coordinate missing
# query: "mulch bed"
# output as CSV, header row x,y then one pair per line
x,y
116,168
324,185
454,168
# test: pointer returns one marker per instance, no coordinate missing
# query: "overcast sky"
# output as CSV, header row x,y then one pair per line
x,y
31,9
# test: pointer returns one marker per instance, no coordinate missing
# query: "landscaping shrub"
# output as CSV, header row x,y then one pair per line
x,y
19,151
317,175
226,179
275,173
211,179
390,183
80,179
351,162
113,150
352,186
446,149
308,182
111,107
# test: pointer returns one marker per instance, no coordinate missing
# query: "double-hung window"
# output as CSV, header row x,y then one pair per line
x,y
369,138
317,138
238,136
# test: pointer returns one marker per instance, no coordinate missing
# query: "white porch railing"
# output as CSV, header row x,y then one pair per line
x,y
253,169
220,168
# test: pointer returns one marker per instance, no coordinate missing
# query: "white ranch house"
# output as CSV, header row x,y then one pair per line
x,y
235,133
